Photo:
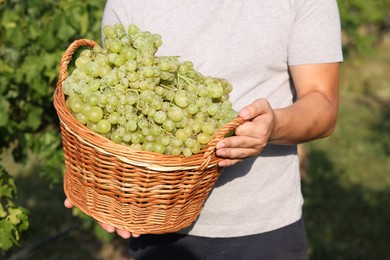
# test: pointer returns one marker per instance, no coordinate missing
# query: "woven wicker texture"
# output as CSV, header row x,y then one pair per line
x,y
139,191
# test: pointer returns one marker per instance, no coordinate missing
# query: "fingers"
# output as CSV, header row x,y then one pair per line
x,y
228,162
68,204
108,228
122,233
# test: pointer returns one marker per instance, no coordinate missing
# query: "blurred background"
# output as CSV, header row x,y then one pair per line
x,y
345,178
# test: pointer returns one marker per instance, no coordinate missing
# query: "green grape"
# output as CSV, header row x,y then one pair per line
x,y
136,138
110,108
103,70
176,151
157,40
113,118
122,120
95,114
145,131
158,148
129,53
203,138
101,59
200,116
76,105
149,138
215,90
196,148
116,138
95,85
136,146
181,99
111,78
147,71
213,109
92,126
119,30
187,152
197,127
143,123
119,60
175,113
115,45
181,135
190,143
165,140
192,109
109,31
208,128
201,102
131,98
82,62
131,126
103,126
182,124
126,137
164,65
133,29
122,99
168,125
131,65
159,90
86,53
113,101
176,142
93,69
82,118
156,130
148,146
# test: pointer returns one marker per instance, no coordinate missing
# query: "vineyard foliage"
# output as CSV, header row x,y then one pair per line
x,y
33,36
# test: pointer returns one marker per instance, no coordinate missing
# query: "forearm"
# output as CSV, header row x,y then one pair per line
x,y
311,117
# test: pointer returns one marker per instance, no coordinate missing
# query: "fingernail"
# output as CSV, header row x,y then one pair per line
x,y
221,145
221,153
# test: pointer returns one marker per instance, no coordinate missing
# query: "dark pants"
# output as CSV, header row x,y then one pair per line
x,y
287,243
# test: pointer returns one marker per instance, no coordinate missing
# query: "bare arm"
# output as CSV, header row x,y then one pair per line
x,y
312,116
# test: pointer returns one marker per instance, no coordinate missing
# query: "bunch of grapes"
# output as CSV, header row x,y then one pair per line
x,y
133,97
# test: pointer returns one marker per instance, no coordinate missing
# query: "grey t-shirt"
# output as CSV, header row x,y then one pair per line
x,y
251,43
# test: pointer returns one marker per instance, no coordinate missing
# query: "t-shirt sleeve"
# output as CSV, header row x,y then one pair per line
x,y
315,34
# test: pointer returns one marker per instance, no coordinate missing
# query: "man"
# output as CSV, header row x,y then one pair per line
x,y
282,58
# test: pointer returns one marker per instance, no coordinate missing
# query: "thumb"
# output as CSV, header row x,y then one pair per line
x,y
258,107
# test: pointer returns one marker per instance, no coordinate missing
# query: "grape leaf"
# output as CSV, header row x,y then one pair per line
x,y
6,238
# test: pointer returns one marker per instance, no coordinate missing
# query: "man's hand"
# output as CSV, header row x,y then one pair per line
x,y
251,137
110,229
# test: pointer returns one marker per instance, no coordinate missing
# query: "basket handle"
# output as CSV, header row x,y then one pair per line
x,y
210,149
67,56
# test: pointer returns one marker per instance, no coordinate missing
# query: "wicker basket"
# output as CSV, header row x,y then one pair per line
x,y
139,191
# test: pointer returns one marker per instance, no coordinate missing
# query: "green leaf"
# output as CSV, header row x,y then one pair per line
x,y
34,117
3,213
65,31
6,239
16,37
4,111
